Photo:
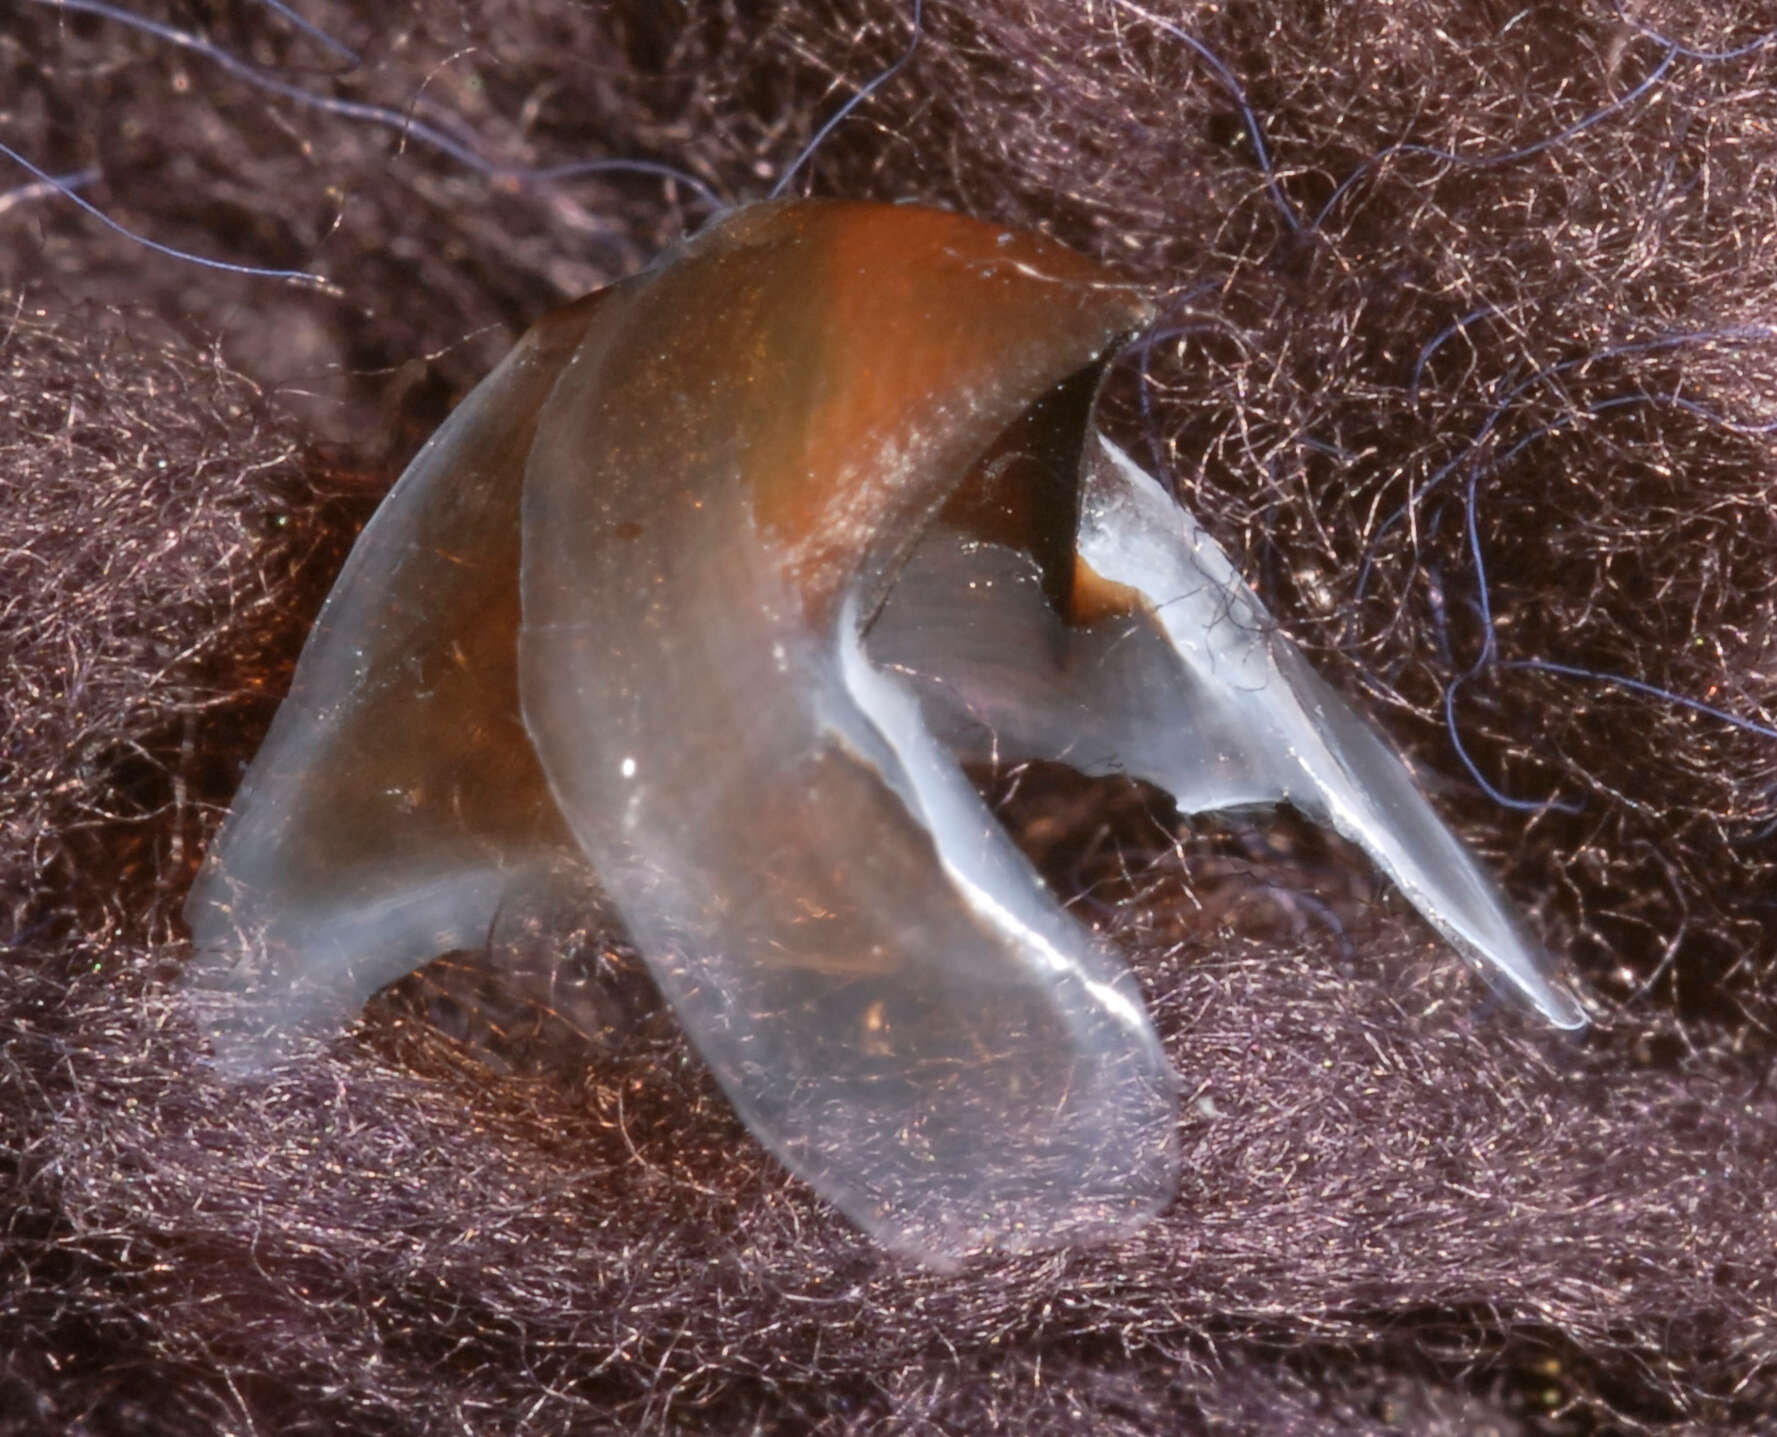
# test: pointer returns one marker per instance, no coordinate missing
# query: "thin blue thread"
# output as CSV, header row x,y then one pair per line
x,y
1641,686
1254,130
54,185
1739,334
1524,152
1752,47
314,32
405,124
67,192
881,78
1437,341
1488,656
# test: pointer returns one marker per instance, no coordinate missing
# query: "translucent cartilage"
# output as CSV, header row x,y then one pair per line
x,y
1002,678
884,989
396,794
1321,756
656,532
692,610
1193,688
891,1000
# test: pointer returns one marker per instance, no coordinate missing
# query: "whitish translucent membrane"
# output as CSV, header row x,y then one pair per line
x,y
705,591
396,797
1188,685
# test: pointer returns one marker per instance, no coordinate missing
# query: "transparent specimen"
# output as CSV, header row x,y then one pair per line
x,y
704,596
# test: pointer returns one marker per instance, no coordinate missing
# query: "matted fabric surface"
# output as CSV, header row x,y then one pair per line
x,y
1467,354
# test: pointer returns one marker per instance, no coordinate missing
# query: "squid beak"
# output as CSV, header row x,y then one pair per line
x,y
673,597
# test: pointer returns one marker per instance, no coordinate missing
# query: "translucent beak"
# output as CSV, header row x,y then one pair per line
x,y
687,599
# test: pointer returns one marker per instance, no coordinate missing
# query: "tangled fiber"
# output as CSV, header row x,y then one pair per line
x,y
1469,352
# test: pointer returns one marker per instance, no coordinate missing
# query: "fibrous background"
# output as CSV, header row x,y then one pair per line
x,y
1468,351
